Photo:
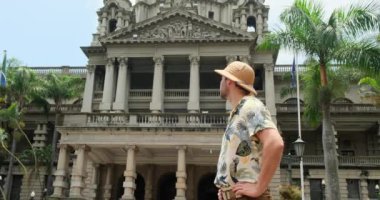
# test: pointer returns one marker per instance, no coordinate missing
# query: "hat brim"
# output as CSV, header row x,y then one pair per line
x,y
228,75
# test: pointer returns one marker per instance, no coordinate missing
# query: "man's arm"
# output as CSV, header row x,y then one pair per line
x,y
273,146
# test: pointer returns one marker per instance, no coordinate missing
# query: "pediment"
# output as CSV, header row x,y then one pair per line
x,y
178,26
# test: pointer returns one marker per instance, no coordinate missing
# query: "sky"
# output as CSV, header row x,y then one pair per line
x,y
51,32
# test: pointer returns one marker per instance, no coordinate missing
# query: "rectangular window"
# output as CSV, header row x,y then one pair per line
x,y
316,189
211,15
353,188
372,193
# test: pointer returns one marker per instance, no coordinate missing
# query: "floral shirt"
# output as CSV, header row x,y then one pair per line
x,y
241,152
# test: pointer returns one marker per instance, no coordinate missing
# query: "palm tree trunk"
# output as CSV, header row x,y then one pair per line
x,y
53,155
9,179
330,155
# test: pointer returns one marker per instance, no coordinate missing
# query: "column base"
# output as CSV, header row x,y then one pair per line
x,y
119,107
180,198
105,106
128,198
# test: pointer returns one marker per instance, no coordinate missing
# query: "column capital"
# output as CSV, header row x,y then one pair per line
x,y
91,68
194,60
230,59
245,58
110,61
130,147
269,66
82,147
158,59
123,60
63,146
181,147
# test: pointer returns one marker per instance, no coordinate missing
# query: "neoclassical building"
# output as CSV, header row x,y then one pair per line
x,y
151,121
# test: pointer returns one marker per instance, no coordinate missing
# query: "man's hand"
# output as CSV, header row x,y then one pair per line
x,y
220,196
247,189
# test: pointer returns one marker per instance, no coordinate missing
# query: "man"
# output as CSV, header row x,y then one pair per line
x,y
252,147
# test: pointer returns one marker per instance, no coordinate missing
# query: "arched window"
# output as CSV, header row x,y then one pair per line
x,y
342,100
206,187
292,101
251,24
112,25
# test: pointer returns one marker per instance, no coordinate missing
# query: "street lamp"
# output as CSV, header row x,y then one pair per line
x,y
299,147
377,189
32,195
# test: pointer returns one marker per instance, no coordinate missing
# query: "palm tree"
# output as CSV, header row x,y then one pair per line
x,y
59,88
22,85
336,39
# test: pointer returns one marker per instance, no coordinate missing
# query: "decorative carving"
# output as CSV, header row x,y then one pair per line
x,y
180,3
194,60
158,60
269,67
230,59
177,29
91,68
123,61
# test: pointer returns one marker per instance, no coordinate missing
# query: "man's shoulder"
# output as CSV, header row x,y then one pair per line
x,y
251,102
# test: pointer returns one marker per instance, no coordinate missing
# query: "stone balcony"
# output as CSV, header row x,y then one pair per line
x,y
344,161
335,108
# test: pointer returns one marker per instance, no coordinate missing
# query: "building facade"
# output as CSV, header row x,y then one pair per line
x,y
151,121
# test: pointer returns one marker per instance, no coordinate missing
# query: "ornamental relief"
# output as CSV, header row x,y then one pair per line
x,y
179,30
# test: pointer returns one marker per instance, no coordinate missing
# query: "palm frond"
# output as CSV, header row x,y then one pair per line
x,y
363,54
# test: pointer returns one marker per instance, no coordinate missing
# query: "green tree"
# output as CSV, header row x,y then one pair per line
x,y
22,87
335,39
373,92
59,88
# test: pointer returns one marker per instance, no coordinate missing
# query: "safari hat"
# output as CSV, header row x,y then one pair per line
x,y
241,73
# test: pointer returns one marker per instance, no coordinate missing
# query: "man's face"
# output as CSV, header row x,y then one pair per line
x,y
223,88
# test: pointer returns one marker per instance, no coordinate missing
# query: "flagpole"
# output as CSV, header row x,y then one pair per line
x,y
299,128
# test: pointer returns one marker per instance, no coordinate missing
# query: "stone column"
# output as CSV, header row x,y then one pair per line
x,y
89,89
130,175
120,21
363,185
230,59
245,59
259,26
149,183
156,105
108,86
120,101
60,174
243,20
194,90
77,184
103,26
269,90
181,174
93,187
107,188
307,188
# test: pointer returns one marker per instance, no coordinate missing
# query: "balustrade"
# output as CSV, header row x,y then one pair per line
x,y
338,108
348,161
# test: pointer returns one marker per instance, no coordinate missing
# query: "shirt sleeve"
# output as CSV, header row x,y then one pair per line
x,y
258,118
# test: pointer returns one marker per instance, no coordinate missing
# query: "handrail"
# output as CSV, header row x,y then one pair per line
x,y
348,161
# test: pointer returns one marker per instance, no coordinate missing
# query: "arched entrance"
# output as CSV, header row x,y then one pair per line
x,y
140,187
206,188
167,190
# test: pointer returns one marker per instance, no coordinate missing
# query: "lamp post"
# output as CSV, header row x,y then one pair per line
x,y
323,189
44,193
377,189
299,147
32,195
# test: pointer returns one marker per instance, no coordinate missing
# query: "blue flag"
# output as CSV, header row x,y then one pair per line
x,y
3,78
293,82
